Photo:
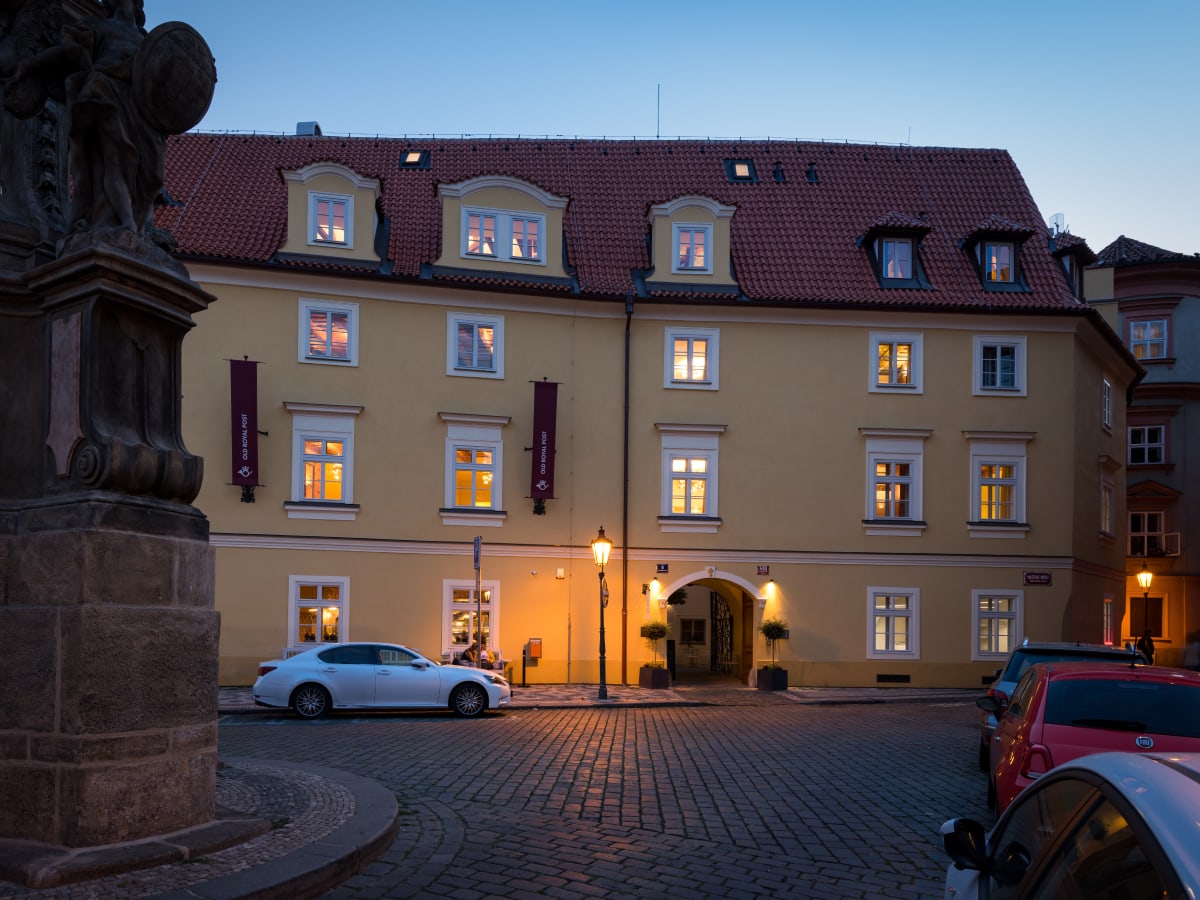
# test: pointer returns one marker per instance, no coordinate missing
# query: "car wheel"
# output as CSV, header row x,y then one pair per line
x,y
310,701
469,700
984,757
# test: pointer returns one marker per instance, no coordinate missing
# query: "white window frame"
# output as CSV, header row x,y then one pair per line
x,y
884,259
916,362
294,584
1018,343
326,422
692,441
477,432
496,323
713,337
1146,444
1000,449
490,590
912,614
1016,618
309,306
504,232
316,197
1106,404
896,445
693,227
1147,535
1139,345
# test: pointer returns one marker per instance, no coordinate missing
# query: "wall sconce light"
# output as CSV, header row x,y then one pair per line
x,y
762,602
560,573
662,602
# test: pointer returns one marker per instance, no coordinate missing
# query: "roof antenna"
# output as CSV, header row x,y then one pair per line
x,y
1056,224
658,115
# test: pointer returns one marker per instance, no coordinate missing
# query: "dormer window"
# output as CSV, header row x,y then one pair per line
x,y
998,262
503,235
893,245
331,217
692,248
896,258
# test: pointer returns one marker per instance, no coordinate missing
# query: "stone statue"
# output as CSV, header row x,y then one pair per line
x,y
123,91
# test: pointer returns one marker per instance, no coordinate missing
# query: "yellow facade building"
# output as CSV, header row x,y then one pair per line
x,y
849,387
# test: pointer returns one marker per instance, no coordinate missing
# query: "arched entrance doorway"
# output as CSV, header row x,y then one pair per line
x,y
711,621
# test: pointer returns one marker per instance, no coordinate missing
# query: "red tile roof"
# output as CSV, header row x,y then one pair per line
x,y
792,241
1128,252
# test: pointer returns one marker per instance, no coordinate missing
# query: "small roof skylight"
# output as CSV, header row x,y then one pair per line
x,y
741,170
414,159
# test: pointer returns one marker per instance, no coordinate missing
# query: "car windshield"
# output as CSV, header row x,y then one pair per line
x,y
1133,705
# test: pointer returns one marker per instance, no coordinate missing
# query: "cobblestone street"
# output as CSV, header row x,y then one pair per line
x,y
758,796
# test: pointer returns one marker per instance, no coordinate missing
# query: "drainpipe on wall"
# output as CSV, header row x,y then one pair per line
x,y
625,507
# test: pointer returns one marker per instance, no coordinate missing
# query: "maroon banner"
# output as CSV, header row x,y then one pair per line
x,y
243,420
545,417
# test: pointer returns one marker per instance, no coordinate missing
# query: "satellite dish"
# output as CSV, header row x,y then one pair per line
x,y
1056,223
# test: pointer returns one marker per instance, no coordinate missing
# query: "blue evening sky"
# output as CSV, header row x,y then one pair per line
x,y
1096,101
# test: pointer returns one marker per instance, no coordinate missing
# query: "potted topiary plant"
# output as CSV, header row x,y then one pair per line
x,y
774,676
654,675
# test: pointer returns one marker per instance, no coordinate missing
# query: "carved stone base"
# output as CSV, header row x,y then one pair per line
x,y
108,725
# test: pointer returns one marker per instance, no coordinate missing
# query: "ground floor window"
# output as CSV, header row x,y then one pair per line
x,y
997,622
893,623
466,613
318,610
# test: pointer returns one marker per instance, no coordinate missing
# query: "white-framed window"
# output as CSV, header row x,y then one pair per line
x,y
1109,621
1107,506
894,479
331,219
693,248
1147,445
999,364
997,621
318,610
896,362
322,461
328,332
689,477
474,492
1106,405
463,612
893,616
1148,338
998,259
998,483
474,345
895,258
506,235
1146,533
692,358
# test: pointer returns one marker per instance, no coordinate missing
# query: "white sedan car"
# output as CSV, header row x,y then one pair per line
x,y
375,676
1103,827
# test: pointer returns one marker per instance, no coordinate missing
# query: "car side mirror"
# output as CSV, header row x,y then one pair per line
x,y
995,703
420,664
965,842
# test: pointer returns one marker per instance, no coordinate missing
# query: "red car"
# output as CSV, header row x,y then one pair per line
x,y
1061,711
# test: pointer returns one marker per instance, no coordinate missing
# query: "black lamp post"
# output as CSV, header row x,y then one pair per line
x,y
601,548
1144,578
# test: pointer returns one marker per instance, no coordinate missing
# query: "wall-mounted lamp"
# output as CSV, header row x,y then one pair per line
x,y
762,602
560,573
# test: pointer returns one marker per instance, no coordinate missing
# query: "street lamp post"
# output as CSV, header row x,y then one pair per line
x,y
1144,578
601,548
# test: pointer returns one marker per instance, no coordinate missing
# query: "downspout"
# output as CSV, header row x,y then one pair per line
x,y
625,507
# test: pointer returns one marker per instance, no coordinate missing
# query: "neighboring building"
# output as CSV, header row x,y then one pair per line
x,y
1151,297
845,385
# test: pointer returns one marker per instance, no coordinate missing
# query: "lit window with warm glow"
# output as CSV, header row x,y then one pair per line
x,y
318,613
1148,338
895,364
689,485
504,236
997,492
893,490
893,623
691,359
525,243
995,624
998,262
896,258
691,248
473,474
324,462
475,346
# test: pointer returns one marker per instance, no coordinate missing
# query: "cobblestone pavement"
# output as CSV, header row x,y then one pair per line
x,y
753,795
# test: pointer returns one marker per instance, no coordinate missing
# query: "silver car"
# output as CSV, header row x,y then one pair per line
x,y
1111,825
375,676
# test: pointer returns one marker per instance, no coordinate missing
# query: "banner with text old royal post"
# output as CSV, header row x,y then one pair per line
x,y
243,409
545,415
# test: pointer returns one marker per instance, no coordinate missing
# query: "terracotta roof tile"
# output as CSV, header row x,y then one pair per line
x,y
792,241
1126,252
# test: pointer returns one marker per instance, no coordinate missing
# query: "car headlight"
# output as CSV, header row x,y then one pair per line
x,y
496,679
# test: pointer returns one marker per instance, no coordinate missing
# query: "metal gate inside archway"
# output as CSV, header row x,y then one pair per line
x,y
721,653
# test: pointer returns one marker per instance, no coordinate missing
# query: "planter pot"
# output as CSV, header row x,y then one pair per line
x,y
654,677
772,679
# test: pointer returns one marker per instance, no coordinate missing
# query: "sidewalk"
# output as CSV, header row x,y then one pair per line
x,y
238,700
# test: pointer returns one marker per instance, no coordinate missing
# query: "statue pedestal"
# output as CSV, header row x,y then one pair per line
x,y
108,725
